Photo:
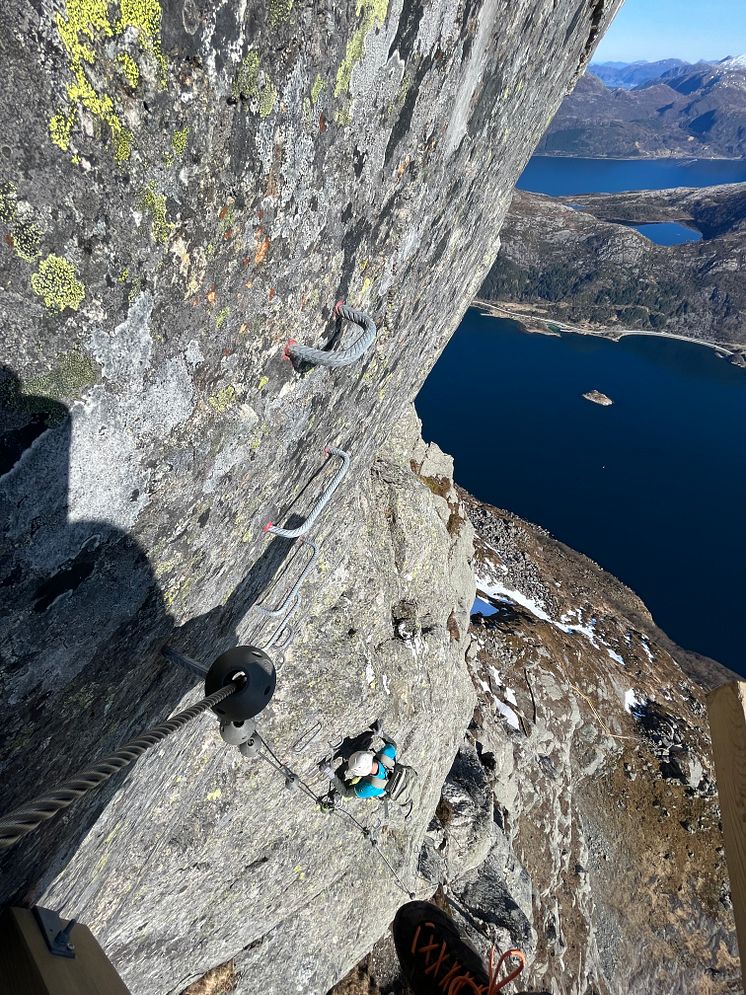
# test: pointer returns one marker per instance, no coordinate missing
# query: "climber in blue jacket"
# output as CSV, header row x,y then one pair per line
x,y
366,772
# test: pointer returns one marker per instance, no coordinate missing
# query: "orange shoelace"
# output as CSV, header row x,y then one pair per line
x,y
453,979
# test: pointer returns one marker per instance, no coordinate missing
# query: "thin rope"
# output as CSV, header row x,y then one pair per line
x,y
27,818
282,768
341,357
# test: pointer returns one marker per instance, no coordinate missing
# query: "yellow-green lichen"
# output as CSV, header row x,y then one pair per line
x,y
124,275
223,400
253,83
318,86
222,315
26,240
130,69
263,381
178,591
179,141
267,99
154,205
8,194
145,17
83,23
373,15
122,144
67,380
246,83
56,283
279,11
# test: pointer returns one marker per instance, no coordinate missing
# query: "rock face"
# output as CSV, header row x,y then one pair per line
x,y
578,259
579,820
184,188
203,856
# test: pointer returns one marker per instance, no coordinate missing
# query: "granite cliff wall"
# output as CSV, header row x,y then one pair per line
x,y
184,187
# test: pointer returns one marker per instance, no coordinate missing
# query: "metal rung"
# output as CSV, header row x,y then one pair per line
x,y
331,487
279,612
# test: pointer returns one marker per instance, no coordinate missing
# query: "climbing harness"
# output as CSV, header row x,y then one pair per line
x,y
341,357
322,502
252,745
239,684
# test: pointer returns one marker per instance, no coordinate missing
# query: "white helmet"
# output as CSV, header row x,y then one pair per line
x,y
360,764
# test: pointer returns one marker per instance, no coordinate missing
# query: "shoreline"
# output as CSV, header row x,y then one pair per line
x,y
497,310
639,158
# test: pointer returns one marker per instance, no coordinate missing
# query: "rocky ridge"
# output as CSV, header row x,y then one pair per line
x,y
688,111
580,820
184,187
578,260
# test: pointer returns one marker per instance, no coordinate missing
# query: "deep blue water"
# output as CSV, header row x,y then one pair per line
x,y
653,488
565,176
668,233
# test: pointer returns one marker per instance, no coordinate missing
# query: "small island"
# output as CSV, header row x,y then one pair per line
x,y
598,398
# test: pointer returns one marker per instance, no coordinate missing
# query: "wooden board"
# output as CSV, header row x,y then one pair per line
x,y
28,968
727,710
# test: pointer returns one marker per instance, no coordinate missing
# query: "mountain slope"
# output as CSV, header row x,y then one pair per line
x,y
688,111
584,264
579,821
628,75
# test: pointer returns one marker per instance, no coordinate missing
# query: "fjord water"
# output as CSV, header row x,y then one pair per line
x,y
653,488
668,233
562,176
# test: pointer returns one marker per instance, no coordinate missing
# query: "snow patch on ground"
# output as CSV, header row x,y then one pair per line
x,y
633,702
508,714
565,624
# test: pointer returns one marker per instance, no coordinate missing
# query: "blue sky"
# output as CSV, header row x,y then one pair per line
x,y
684,29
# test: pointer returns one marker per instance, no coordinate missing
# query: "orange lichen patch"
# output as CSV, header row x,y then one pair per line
x,y
322,123
262,248
224,212
272,292
228,234
211,295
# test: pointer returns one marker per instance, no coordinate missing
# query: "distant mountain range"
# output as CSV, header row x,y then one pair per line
x,y
687,110
628,75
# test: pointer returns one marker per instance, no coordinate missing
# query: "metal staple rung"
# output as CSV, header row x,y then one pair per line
x,y
283,625
342,357
320,504
282,644
279,612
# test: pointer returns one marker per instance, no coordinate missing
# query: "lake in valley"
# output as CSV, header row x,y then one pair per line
x,y
653,487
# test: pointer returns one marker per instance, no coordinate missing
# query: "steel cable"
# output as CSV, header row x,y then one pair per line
x,y
23,820
341,357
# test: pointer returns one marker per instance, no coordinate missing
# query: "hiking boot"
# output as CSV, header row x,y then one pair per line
x,y
434,957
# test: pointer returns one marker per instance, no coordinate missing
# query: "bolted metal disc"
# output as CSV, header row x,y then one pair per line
x,y
256,693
